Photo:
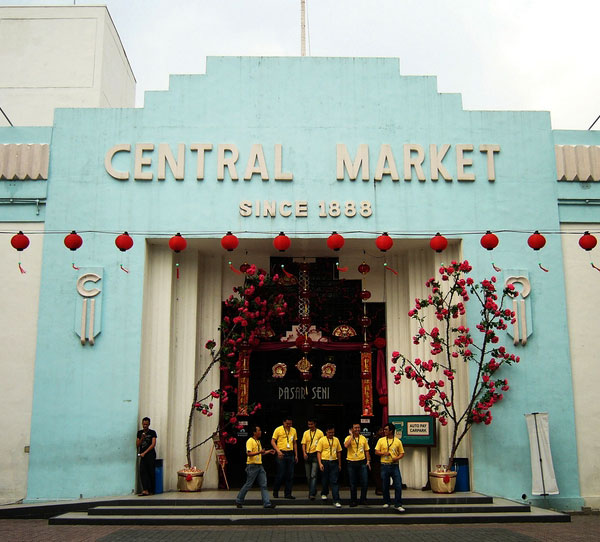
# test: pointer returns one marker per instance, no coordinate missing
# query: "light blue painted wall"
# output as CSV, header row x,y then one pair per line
x,y
86,399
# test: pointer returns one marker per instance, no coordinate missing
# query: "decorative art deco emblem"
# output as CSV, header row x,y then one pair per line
x,y
88,314
328,370
522,327
279,370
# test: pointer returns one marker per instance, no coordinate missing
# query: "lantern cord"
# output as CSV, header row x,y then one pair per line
x,y
543,268
596,268
286,273
496,268
123,268
234,269
342,269
74,266
23,270
390,269
177,267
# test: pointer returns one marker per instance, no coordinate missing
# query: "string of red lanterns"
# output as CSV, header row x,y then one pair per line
x,y
73,241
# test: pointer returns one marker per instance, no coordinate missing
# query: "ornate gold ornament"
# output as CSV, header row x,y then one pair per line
x,y
279,370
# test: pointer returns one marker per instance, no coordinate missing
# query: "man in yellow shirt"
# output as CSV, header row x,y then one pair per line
x,y
284,442
329,457
390,449
309,442
359,460
255,470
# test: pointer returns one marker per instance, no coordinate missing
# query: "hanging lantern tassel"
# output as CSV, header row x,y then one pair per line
x,y
234,269
286,273
496,268
596,268
390,269
177,268
537,241
123,268
20,242
342,269
74,266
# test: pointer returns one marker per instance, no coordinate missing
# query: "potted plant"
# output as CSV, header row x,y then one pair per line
x,y
452,344
248,314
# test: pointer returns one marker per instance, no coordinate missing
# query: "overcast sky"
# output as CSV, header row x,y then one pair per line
x,y
501,54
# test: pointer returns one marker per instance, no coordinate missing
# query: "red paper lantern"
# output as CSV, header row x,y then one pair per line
x,y
230,242
304,343
489,241
335,241
365,321
305,320
19,241
124,242
73,241
536,240
587,241
365,294
364,268
177,243
244,267
282,242
384,242
438,242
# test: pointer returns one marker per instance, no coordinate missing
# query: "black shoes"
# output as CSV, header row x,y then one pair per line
x,y
238,505
289,497
270,505
275,494
353,504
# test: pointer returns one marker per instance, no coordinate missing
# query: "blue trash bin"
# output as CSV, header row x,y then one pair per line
x,y
462,476
158,476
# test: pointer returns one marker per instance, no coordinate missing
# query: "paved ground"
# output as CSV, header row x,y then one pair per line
x,y
583,528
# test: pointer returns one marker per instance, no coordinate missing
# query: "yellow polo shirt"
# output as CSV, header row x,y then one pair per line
x,y
253,446
393,445
310,439
285,439
329,448
357,448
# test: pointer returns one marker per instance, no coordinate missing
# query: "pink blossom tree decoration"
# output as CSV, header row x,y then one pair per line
x,y
451,345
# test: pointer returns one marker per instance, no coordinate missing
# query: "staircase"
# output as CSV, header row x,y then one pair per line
x,y
190,509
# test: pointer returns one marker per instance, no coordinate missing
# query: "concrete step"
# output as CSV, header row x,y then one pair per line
x,y
157,501
255,508
282,516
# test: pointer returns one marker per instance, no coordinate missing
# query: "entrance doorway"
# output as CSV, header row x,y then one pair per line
x,y
333,396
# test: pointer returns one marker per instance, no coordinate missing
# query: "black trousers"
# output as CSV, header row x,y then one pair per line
x,y
147,464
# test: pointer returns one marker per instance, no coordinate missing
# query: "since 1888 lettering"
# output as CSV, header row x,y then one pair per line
x,y
300,208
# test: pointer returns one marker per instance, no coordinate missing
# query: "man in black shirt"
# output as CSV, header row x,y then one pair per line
x,y
146,442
